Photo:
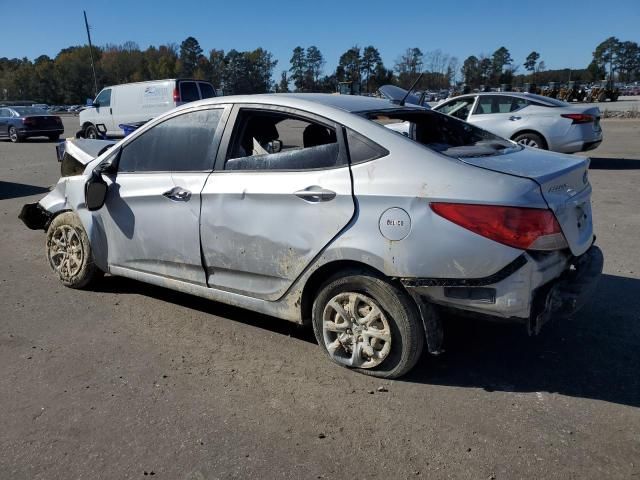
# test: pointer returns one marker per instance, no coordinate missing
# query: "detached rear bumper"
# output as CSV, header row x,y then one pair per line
x,y
531,290
569,293
34,216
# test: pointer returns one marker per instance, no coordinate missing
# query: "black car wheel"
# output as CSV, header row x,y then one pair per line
x,y
14,136
90,132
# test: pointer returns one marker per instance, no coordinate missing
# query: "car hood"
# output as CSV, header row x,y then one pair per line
x,y
564,184
84,150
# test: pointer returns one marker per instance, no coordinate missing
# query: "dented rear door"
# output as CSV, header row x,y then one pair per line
x,y
260,229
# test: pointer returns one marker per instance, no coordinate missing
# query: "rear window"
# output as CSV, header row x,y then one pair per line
x,y
189,92
207,90
544,101
29,111
445,134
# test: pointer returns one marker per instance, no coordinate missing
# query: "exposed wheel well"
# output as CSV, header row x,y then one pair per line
x,y
546,144
323,273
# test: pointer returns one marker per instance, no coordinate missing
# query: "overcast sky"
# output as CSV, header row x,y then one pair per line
x,y
564,32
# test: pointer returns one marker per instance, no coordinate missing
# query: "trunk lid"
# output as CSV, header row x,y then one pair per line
x,y
564,185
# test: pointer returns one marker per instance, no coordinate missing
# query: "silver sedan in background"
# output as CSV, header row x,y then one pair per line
x,y
531,120
306,207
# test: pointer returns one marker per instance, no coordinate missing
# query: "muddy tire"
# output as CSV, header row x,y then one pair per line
x,y
69,252
366,323
531,140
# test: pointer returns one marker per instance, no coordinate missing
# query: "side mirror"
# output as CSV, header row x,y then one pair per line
x,y
90,103
274,146
95,191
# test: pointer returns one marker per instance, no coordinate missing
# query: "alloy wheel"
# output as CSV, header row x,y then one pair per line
x,y
65,251
528,142
356,331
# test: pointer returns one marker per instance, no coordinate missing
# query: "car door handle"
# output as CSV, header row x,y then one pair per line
x,y
178,194
514,117
315,194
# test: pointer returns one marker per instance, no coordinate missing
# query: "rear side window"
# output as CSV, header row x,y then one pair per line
x,y
180,144
279,141
361,149
206,90
499,104
189,92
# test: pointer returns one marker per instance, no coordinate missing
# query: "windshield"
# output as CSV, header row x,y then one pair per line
x,y
29,111
444,134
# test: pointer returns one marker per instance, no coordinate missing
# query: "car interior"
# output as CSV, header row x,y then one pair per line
x,y
276,141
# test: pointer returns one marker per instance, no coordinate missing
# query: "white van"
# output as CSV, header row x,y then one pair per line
x,y
138,102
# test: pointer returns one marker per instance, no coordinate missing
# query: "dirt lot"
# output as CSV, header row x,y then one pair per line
x,y
133,381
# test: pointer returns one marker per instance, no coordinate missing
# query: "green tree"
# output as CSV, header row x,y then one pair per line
x,y
314,61
283,85
471,71
190,53
605,55
370,60
627,61
298,67
217,64
530,63
350,62
500,59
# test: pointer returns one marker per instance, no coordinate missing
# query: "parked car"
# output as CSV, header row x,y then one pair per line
x,y
529,119
305,207
138,102
20,123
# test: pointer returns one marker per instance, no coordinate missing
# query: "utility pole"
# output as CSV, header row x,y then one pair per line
x,y
93,67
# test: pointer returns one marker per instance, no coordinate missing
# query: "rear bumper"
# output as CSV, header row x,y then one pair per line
x,y
40,132
531,290
590,146
34,216
570,292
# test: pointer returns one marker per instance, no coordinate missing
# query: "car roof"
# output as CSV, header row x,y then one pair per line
x,y
524,95
310,101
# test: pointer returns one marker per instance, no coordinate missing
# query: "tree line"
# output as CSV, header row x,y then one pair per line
x,y
68,78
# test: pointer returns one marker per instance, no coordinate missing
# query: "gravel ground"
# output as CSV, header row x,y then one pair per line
x,y
134,381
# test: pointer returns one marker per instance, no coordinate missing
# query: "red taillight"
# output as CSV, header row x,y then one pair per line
x,y
176,95
579,117
29,121
523,228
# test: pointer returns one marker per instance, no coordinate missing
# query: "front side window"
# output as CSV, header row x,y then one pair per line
x,y
189,92
499,104
278,141
179,144
104,98
5,112
459,108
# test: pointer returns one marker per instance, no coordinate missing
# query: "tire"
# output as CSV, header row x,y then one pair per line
x,y
14,136
531,140
69,252
602,97
397,319
54,138
91,132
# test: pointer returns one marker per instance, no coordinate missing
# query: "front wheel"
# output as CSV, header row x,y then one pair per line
x,y
531,140
366,323
91,132
69,252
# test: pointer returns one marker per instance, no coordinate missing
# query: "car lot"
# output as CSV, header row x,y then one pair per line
x,y
132,378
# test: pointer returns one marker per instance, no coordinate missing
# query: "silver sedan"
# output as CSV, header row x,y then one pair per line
x,y
306,207
531,120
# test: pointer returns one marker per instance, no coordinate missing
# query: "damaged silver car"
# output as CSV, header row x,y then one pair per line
x,y
308,208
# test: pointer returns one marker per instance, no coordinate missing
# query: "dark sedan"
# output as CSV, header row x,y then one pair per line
x,y
19,123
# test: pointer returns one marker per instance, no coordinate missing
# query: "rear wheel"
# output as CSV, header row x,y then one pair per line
x,y
531,140
14,136
366,323
90,132
69,252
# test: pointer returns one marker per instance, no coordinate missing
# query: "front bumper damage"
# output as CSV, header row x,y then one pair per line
x,y
531,290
